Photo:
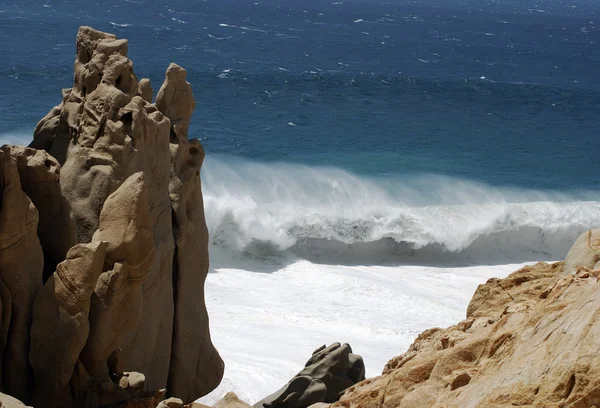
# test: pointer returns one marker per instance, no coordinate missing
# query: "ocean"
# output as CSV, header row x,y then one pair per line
x,y
369,163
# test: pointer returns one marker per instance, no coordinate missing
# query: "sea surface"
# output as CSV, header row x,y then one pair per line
x,y
369,163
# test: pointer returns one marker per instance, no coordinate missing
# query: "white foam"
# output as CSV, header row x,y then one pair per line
x,y
254,207
269,310
266,321
217,38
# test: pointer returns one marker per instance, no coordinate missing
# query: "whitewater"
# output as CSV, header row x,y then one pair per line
x,y
303,256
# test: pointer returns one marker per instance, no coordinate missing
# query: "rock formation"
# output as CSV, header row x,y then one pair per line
x,y
103,244
329,372
530,339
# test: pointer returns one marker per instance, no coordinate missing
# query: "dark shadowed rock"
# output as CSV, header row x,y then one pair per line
x,y
328,373
21,264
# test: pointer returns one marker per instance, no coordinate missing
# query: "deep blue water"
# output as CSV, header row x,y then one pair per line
x,y
503,92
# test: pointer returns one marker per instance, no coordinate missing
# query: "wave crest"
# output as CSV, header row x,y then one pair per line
x,y
329,215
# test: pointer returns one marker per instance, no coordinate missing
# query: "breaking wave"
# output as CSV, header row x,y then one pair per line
x,y
328,215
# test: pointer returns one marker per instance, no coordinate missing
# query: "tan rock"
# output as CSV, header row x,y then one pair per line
x,y
196,367
585,252
528,340
176,101
21,263
39,174
145,89
103,133
60,323
125,225
231,400
320,405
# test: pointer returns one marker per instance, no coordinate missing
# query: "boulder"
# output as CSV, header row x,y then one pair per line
x,y
329,372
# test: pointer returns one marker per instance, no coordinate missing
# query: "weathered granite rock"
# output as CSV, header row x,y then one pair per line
x,y
103,83
585,252
21,263
105,131
145,90
196,366
61,325
329,372
529,340
39,174
116,253
117,304
231,400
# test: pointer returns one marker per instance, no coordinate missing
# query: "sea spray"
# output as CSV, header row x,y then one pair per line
x,y
330,215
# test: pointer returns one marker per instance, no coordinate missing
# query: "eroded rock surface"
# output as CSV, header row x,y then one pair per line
x,y
104,246
21,264
529,340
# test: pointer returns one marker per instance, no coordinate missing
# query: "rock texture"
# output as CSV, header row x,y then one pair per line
x,y
329,372
104,246
21,264
584,252
530,339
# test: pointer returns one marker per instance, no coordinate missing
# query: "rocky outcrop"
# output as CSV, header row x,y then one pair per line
x,y
329,372
103,244
529,340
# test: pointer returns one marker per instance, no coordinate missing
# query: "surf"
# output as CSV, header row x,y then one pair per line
x,y
329,215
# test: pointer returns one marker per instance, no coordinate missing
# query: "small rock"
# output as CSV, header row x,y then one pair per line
x,y
460,381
